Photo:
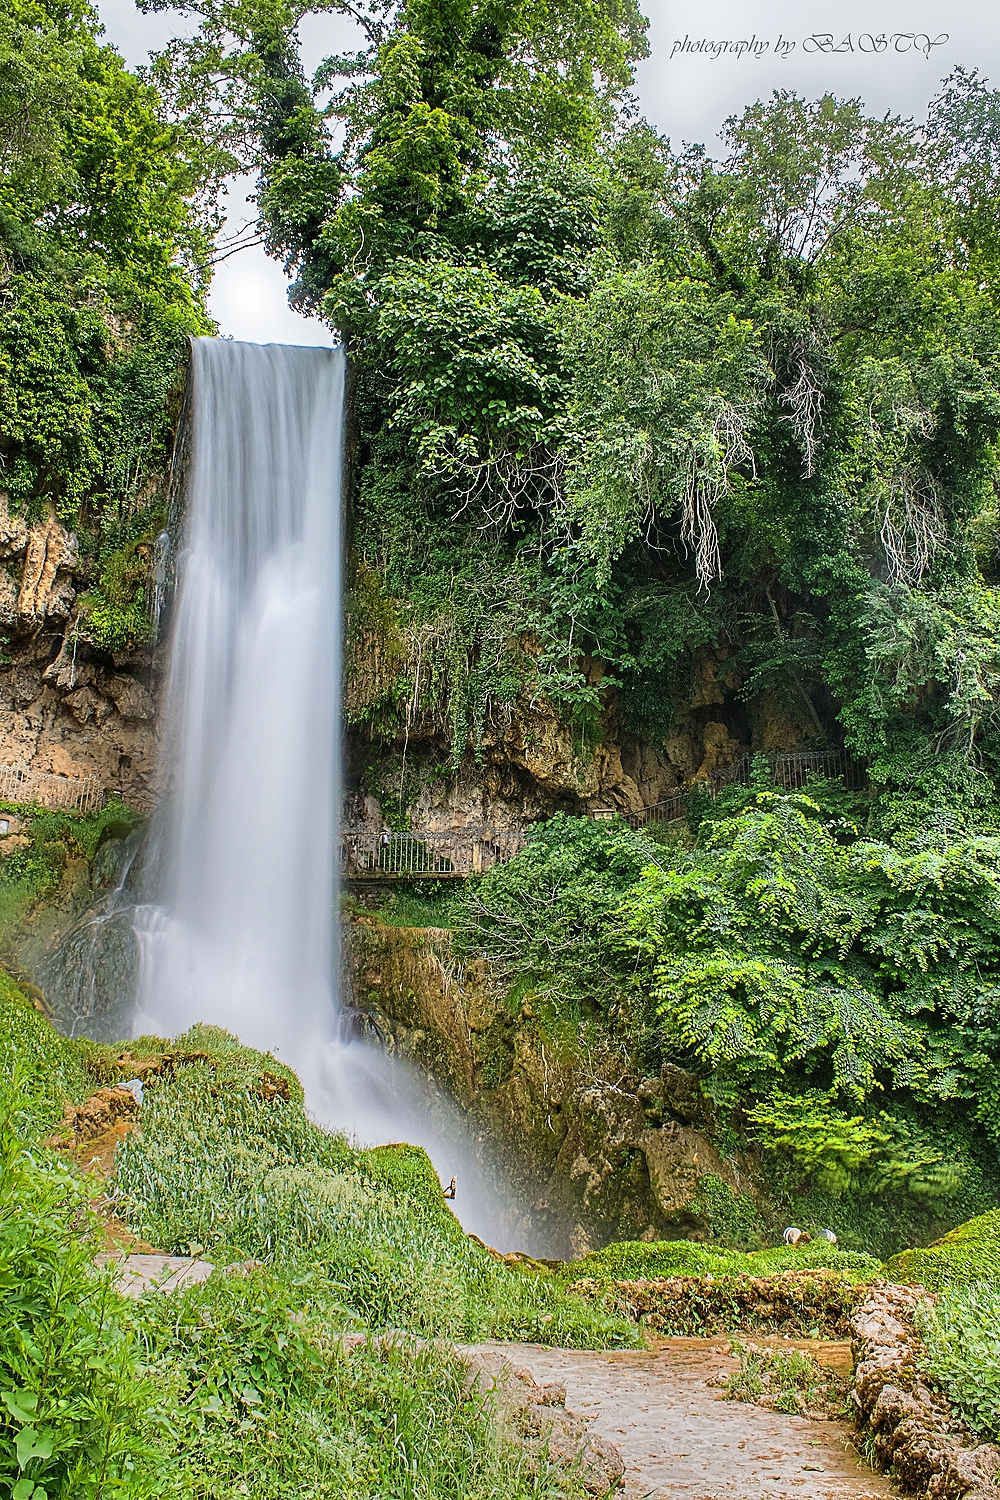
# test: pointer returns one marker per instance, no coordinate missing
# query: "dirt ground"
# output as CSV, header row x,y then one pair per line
x,y
681,1441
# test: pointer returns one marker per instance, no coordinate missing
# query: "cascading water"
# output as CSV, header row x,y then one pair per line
x,y
241,930
242,933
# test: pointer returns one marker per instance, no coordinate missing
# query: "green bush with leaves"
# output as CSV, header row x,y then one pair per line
x,y
77,1403
835,993
550,917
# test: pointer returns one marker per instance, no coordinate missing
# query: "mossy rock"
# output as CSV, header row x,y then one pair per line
x,y
635,1260
966,1254
407,1171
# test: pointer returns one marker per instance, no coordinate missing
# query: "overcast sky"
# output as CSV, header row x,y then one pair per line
x,y
891,53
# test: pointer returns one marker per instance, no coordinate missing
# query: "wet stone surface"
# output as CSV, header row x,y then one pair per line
x,y
680,1439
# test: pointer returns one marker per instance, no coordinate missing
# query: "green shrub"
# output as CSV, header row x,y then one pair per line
x,y
962,1334
566,943
76,1407
820,1140
967,1254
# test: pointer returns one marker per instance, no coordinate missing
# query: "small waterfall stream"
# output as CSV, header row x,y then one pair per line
x,y
238,927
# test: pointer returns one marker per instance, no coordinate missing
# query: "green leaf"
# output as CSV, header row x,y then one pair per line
x,y
31,1444
21,1404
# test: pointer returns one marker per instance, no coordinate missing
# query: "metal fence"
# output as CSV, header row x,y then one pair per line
x,y
371,854
790,772
41,789
368,854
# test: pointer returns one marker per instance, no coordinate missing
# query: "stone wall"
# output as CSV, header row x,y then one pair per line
x,y
912,1428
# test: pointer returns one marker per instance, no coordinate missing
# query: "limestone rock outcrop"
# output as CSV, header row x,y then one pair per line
x,y
914,1429
42,595
596,1153
67,707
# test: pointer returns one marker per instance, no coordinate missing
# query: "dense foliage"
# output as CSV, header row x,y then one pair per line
x,y
621,402
835,992
243,1385
104,253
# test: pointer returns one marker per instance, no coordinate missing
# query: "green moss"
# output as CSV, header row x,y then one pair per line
x,y
634,1260
31,872
967,1254
733,1218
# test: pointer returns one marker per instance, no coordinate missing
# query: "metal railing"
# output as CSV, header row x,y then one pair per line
x,y
41,789
373,855
790,772
370,854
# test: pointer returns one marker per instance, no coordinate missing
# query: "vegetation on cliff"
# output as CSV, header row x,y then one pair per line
x,y
832,990
619,403
105,248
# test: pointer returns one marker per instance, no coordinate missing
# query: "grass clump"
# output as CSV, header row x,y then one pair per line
x,y
635,1260
226,1169
419,903
786,1380
246,1385
263,1399
962,1335
967,1254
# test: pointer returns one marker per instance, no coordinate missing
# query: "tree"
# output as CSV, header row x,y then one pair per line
x,y
106,249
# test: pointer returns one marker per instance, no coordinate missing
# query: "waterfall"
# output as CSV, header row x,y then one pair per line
x,y
237,924
242,932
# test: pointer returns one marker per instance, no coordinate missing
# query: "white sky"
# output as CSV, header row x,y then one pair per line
x,y
684,93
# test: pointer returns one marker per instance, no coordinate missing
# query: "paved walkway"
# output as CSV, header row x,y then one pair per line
x,y
681,1441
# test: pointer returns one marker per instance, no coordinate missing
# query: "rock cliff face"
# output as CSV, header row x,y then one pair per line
x,y
67,708
528,761
594,1150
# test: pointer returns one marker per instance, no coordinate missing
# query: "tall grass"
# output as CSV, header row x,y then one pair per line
x,y
962,1334
220,1168
244,1386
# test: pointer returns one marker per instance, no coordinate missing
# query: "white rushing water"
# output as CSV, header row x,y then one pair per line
x,y
242,934
242,930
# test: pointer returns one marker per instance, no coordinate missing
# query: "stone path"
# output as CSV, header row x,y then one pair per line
x,y
681,1441
167,1273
